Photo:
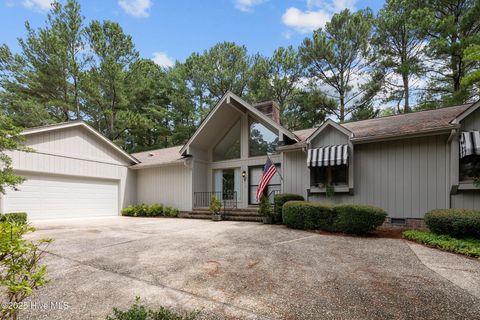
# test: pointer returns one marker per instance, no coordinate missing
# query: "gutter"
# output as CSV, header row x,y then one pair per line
x,y
423,133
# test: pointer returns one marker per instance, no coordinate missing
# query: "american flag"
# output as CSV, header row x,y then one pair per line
x,y
269,171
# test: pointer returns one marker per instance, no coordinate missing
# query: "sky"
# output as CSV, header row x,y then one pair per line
x,y
166,31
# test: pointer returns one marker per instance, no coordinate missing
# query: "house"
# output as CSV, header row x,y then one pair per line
x,y
407,164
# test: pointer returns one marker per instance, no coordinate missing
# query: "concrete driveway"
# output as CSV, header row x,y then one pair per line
x,y
237,270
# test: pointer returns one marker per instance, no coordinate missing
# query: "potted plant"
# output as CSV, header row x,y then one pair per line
x,y
215,208
265,210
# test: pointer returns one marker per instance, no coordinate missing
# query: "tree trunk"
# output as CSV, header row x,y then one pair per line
x,y
406,89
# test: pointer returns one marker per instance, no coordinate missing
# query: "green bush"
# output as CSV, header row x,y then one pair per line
x,y
355,219
171,212
21,271
358,219
265,208
17,217
139,312
466,246
129,211
215,205
308,215
454,222
280,199
154,210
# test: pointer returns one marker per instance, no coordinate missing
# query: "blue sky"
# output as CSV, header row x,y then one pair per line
x,y
171,30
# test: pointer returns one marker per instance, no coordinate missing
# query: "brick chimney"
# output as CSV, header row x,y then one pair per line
x,y
270,109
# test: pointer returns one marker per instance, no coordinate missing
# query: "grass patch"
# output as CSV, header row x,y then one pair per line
x,y
467,246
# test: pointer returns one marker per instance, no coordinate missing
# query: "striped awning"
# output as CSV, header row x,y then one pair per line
x,y
469,143
328,156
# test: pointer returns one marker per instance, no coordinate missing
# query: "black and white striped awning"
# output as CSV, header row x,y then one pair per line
x,y
469,143
328,156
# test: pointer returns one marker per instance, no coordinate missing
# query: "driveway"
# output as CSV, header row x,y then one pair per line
x,y
238,270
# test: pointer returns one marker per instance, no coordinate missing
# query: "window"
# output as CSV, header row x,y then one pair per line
x,y
330,175
470,168
226,182
254,176
261,140
229,147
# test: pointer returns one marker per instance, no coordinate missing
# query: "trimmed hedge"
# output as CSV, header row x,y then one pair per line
x,y
308,215
354,219
154,210
454,222
280,199
358,219
17,217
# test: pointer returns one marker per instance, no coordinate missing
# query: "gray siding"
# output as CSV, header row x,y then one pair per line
x,y
472,121
75,152
328,137
170,185
466,199
405,177
296,175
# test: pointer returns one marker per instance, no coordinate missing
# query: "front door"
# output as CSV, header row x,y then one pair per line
x,y
227,184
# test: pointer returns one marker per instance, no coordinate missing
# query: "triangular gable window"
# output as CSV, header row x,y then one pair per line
x,y
229,147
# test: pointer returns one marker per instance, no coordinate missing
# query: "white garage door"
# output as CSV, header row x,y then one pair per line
x,y
49,197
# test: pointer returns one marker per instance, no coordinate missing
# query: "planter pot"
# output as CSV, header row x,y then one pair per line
x,y
216,217
267,220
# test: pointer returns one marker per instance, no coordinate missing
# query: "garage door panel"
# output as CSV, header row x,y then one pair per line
x,y
48,197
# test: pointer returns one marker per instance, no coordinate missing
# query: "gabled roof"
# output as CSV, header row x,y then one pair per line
x,y
325,124
158,157
227,97
81,124
421,122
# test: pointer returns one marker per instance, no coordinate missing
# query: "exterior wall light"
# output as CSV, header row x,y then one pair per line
x,y
244,175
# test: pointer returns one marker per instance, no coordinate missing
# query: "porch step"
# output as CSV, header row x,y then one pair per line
x,y
244,214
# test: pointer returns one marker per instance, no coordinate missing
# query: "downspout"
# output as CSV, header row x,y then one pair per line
x,y
448,168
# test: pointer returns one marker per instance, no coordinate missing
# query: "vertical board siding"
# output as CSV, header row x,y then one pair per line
x,y
466,199
296,175
472,121
75,142
328,137
169,185
405,177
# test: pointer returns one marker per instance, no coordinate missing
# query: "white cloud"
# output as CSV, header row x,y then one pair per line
x,y
136,8
41,5
247,5
318,13
162,59
305,21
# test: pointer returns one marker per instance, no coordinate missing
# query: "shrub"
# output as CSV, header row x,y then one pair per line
x,y
355,219
20,270
18,217
156,210
358,219
280,199
171,212
265,208
466,246
139,312
129,211
454,222
308,215
215,205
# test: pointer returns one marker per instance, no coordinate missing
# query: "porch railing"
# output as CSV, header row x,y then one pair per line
x,y
228,199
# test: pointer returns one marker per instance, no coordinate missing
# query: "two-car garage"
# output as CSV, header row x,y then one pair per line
x,y
73,172
53,197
